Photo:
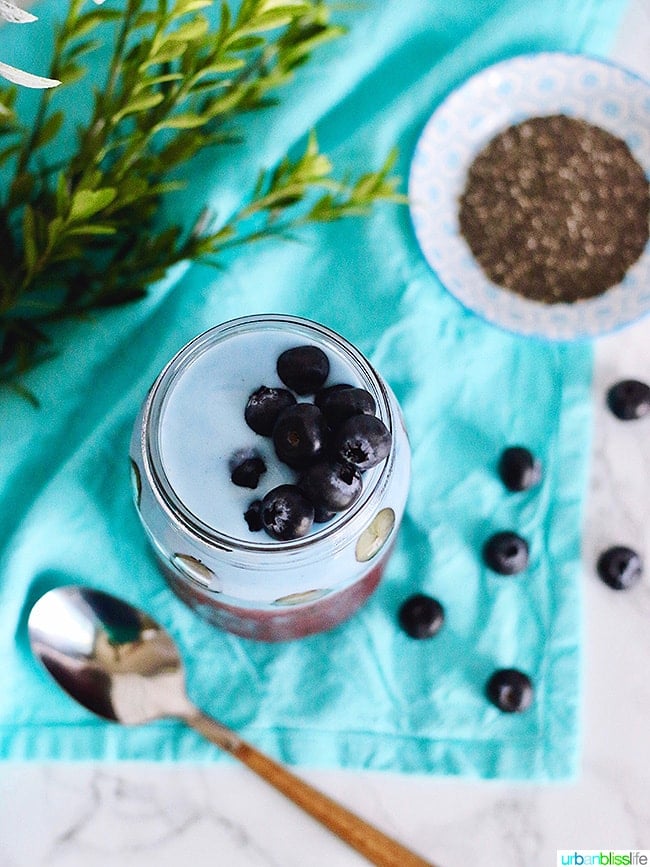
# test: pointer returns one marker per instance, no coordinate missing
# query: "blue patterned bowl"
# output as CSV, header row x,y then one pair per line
x,y
507,93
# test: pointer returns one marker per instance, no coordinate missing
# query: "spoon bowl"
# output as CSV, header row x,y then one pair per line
x,y
120,664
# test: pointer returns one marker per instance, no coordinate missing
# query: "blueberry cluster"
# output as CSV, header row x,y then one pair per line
x,y
506,553
329,443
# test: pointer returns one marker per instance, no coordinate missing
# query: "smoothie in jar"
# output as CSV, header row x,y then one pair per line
x,y
271,468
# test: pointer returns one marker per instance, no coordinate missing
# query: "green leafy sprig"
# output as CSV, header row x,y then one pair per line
x,y
82,234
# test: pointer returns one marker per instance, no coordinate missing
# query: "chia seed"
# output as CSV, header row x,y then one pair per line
x,y
555,209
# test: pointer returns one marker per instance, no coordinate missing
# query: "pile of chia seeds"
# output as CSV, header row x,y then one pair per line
x,y
555,209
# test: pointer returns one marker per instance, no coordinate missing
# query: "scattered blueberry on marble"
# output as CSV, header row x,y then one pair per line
x,y
510,690
519,469
253,516
506,553
264,406
629,399
363,441
421,616
303,369
338,404
299,435
620,567
287,513
246,473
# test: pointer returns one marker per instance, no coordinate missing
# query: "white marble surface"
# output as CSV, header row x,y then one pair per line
x,y
140,816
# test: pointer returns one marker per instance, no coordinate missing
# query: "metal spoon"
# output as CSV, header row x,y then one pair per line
x,y
120,664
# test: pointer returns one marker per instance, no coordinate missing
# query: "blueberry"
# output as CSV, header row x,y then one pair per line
x,y
264,406
363,441
287,513
510,690
421,616
303,368
299,435
331,485
506,553
620,567
322,515
253,516
323,394
247,472
519,469
629,399
337,404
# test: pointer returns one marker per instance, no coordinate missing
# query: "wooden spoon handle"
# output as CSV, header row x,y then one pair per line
x,y
366,839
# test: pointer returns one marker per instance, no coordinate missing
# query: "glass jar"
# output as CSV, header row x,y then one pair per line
x,y
188,428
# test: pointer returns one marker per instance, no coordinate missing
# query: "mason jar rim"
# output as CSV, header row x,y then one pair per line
x,y
344,524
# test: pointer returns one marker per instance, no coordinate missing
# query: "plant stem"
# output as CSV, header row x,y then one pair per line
x,y
101,126
46,95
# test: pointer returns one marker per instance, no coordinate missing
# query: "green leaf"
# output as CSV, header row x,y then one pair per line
x,y
8,97
85,203
169,52
180,149
181,121
245,43
182,7
224,22
166,187
49,129
84,47
132,188
293,7
225,103
29,237
365,186
8,152
219,68
90,20
144,19
21,189
54,230
62,194
93,229
68,252
71,72
190,31
247,10
140,103
312,143
26,393
270,21
157,79
299,51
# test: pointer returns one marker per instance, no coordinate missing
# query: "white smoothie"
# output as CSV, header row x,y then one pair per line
x,y
202,426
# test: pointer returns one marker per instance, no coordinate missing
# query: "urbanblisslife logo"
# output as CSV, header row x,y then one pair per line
x,y
609,857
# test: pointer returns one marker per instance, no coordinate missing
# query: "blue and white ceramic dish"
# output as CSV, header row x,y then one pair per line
x,y
507,93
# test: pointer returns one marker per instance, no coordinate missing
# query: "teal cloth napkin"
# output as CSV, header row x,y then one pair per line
x,y
364,695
